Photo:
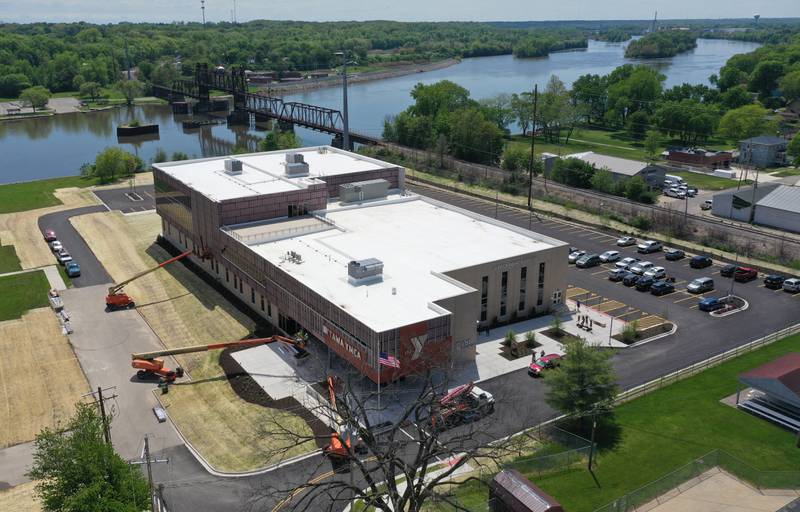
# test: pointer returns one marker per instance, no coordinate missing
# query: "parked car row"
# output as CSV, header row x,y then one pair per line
x,y
71,267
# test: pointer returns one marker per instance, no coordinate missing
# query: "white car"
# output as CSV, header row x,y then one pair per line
x,y
626,263
575,256
63,257
56,246
675,192
656,272
707,204
626,241
641,267
609,256
792,285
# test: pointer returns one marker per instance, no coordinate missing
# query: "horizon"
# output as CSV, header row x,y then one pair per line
x,y
518,11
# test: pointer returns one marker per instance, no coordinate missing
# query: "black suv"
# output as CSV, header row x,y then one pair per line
x,y
727,270
644,283
662,288
774,282
630,279
701,262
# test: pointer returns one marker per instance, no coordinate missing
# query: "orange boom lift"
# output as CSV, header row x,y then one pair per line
x,y
117,299
150,364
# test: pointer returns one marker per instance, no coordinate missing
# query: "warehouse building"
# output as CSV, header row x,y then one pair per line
x,y
772,205
329,242
623,168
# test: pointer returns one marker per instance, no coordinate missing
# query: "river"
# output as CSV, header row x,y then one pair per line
x,y
58,145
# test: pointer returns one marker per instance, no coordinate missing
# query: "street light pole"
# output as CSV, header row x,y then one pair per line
x,y
345,116
533,145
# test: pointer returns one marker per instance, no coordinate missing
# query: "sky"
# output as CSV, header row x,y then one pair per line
x,y
109,11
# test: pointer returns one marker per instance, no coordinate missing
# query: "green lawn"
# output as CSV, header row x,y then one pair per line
x,y
785,172
708,181
29,195
665,430
8,259
21,292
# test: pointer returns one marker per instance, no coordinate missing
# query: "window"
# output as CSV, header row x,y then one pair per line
x,y
227,276
484,297
252,296
241,286
503,292
269,309
523,278
262,303
540,294
235,282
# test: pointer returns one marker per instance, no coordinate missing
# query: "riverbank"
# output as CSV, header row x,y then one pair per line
x,y
67,105
334,81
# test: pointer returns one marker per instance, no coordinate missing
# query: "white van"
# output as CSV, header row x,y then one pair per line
x,y
676,180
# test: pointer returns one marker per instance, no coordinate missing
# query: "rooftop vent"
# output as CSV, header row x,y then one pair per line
x,y
363,190
362,270
233,166
293,257
296,165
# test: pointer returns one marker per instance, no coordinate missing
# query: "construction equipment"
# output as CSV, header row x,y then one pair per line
x,y
117,299
344,440
463,404
150,364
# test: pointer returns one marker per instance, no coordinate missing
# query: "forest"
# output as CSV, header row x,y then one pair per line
x,y
61,57
666,43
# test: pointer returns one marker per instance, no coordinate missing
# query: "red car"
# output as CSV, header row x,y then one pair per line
x,y
543,363
50,235
744,274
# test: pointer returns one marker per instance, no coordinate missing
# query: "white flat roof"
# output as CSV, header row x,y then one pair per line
x,y
612,163
265,173
416,238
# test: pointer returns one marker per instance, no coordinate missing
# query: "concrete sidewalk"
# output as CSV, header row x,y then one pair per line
x,y
51,272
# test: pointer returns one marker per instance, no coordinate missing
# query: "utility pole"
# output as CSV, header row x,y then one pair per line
x,y
533,145
101,402
145,459
345,116
127,59
203,9
591,441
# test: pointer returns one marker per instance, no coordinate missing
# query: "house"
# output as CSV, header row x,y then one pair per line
x,y
775,394
763,151
700,157
622,168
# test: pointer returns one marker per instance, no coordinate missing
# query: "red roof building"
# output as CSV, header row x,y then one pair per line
x,y
777,386
510,491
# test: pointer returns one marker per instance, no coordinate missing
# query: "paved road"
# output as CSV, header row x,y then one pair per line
x,y
92,271
118,199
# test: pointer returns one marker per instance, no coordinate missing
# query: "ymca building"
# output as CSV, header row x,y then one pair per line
x,y
330,242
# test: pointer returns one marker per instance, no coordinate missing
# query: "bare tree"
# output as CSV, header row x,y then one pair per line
x,y
413,450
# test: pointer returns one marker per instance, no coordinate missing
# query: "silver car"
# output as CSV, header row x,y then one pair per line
x,y
575,256
626,241
656,272
609,256
626,263
639,268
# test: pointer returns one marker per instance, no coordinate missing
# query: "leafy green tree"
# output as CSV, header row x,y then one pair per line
x,y
688,119
638,91
90,90
794,149
590,92
131,89
163,73
63,69
635,188
160,156
114,163
475,138
736,97
573,172
440,97
745,122
179,155
76,471
638,124
521,106
765,77
498,109
36,96
13,84
790,85
603,181
277,140
584,379
652,143
516,158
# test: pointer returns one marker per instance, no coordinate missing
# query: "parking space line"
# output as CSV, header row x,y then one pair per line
x,y
598,237
600,272
695,306
628,313
687,298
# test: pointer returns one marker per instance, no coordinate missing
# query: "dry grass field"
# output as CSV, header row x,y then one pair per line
x,y
183,311
40,378
20,498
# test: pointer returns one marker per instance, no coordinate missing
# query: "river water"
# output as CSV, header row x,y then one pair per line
x,y
58,145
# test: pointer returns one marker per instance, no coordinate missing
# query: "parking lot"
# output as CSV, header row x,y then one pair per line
x,y
127,199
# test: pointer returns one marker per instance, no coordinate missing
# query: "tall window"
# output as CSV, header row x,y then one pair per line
x,y
540,295
503,292
523,278
484,297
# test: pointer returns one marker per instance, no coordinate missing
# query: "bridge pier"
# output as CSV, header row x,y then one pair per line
x,y
238,117
285,126
338,142
180,107
262,120
201,107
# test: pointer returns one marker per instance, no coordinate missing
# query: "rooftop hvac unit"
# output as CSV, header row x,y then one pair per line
x,y
233,166
294,158
296,165
363,190
365,269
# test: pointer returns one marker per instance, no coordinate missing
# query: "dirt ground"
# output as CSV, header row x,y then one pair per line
x,y
40,377
20,499
183,310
